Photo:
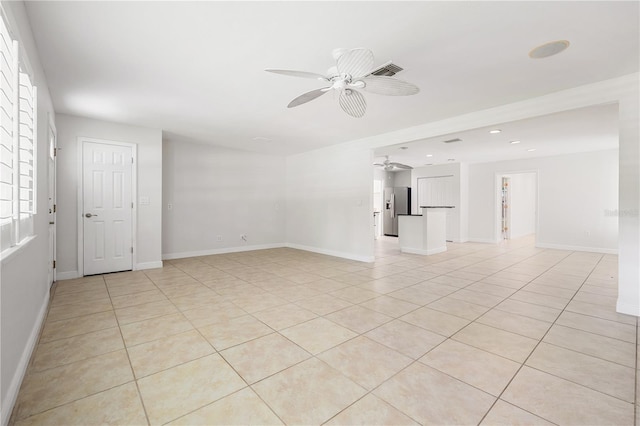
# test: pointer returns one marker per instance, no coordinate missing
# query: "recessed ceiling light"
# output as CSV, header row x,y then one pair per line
x,y
404,147
494,131
261,139
514,142
451,159
548,49
430,164
531,149
429,155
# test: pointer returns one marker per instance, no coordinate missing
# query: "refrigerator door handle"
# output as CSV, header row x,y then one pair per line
x,y
393,205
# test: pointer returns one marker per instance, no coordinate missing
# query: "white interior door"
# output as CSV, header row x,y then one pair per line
x,y
107,202
52,203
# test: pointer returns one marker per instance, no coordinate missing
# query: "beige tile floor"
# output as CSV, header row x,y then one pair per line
x,y
481,334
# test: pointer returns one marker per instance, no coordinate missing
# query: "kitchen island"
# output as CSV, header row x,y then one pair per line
x,y
425,233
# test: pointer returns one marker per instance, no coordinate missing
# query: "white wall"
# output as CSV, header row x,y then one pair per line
x,y
24,293
220,192
523,195
329,202
574,192
402,178
149,168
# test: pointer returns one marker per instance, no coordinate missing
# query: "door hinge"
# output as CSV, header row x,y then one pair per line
x,y
131,250
55,152
131,160
54,208
132,204
54,264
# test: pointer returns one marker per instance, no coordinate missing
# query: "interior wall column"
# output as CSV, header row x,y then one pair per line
x,y
629,205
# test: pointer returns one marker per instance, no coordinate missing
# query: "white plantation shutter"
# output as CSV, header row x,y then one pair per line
x,y
17,144
25,146
8,152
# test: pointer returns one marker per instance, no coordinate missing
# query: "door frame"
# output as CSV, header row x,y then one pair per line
x,y
80,198
497,203
51,129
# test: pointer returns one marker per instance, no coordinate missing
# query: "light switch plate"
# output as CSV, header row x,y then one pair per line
x,y
144,201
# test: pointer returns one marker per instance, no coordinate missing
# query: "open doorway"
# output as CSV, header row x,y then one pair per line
x,y
517,204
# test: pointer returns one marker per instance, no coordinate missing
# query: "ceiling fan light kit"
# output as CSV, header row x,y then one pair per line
x,y
354,69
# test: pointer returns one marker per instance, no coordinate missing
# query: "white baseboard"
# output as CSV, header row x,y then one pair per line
x,y
16,381
332,253
577,248
628,308
423,252
169,256
69,275
148,265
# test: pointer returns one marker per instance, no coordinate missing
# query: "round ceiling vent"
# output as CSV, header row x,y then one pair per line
x,y
548,49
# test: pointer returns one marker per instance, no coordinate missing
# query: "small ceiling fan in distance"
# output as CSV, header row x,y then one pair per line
x,y
353,70
390,166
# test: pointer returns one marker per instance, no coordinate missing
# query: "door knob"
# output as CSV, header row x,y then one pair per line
x,y
90,215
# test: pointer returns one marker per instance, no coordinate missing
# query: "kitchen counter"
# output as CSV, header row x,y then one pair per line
x,y
423,234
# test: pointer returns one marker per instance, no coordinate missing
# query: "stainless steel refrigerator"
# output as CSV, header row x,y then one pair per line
x,y
396,201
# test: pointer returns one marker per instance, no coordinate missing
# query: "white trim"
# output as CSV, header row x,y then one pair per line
x,y
497,205
147,265
423,252
333,253
80,201
16,381
577,248
182,255
51,129
7,254
627,308
69,275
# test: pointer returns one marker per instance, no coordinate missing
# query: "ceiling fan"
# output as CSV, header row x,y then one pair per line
x,y
389,166
352,71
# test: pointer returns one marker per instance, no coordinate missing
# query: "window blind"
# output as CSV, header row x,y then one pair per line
x,y
8,60
17,143
26,146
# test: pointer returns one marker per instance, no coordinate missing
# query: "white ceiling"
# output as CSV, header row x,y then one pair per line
x,y
196,69
581,130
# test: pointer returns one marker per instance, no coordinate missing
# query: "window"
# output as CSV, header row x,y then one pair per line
x,y
17,144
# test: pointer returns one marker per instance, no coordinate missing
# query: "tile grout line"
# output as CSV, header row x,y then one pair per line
x,y
537,345
248,385
417,360
635,384
266,288
133,374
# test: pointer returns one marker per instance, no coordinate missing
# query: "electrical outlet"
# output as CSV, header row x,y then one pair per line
x,y
169,206
219,238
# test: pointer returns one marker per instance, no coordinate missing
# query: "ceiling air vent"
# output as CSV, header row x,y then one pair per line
x,y
388,70
453,140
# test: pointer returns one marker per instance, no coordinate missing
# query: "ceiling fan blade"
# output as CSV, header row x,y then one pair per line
x,y
355,62
308,96
303,74
352,103
389,86
401,166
